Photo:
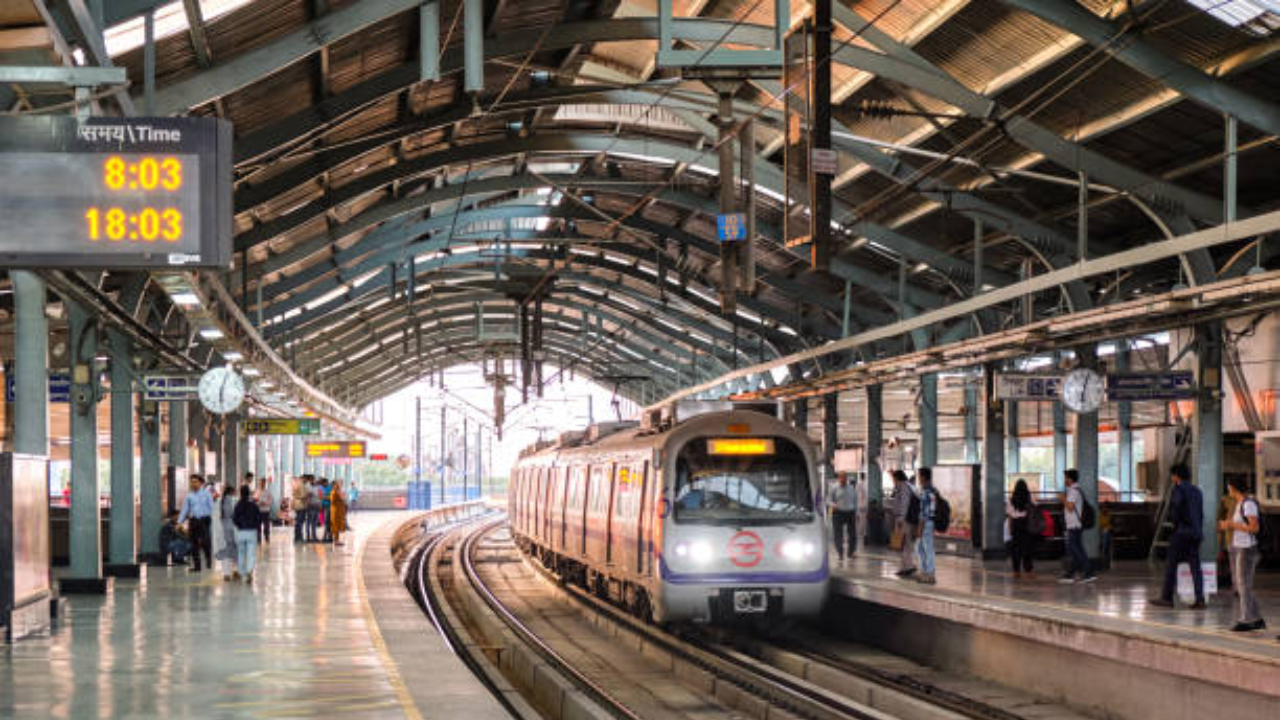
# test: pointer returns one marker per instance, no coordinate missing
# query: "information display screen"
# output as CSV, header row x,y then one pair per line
x,y
335,449
115,192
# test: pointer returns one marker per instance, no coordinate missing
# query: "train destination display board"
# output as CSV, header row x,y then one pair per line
x,y
282,426
335,449
115,192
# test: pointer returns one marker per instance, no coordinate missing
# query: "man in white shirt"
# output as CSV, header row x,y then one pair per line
x,y
1073,507
844,509
1244,527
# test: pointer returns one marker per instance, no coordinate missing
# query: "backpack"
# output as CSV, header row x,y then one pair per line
x,y
941,513
1262,538
913,509
1035,520
1088,517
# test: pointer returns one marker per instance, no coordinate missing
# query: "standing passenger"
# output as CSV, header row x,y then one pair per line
x,y
246,519
904,523
197,510
1018,509
928,503
226,516
265,500
1073,511
1186,509
313,508
337,511
325,506
300,498
844,509
1243,527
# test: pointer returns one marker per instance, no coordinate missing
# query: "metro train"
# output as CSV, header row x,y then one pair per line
x,y
705,513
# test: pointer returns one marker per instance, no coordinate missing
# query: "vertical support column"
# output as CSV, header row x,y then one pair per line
x,y
800,414
259,456
973,411
216,448
1229,181
821,249
830,431
1208,431
242,451
150,481
1124,426
1013,445
31,365
1060,461
466,458
747,159
299,455
992,468
429,41
875,440
121,550
1087,454
977,256
928,413
149,64
85,574
728,204
473,45
443,451
177,448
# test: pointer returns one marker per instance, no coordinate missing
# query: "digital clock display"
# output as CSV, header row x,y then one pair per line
x,y
114,192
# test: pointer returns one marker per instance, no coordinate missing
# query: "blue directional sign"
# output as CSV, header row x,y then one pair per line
x,y
169,387
731,227
1018,386
1177,385
59,387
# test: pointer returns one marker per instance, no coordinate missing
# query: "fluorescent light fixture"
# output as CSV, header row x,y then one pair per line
x,y
185,298
232,356
170,19
251,371
920,267
211,333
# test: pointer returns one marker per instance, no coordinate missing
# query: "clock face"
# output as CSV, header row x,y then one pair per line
x,y
221,390
1082,390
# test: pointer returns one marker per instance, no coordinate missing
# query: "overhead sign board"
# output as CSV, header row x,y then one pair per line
x,y
1017,386
823,161
170,387
115,192
59,387
282,426
335,449
731,227
1177,385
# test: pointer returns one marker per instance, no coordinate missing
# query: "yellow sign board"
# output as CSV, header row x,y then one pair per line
x,y
335,449
282,426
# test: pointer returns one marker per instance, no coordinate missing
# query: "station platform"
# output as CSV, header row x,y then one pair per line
x,y
1058,639
309,638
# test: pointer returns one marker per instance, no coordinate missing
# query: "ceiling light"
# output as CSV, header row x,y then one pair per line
x,y
210,333
233,356
1258,17
920,267
185,298
251,371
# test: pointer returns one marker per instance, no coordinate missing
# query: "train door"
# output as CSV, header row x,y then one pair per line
x,y
575,511
516,499
599,493
555,538
618,500
538,503
644,521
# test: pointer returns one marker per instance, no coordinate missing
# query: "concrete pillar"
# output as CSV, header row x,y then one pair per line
x,y
214,449
1087,454
150,480
875,440
971,423
928,420
297,455
31,365
993,457
1207,449
122,558
178,426
259,456
1060,460
1013,445
1124,426
830,429
85,573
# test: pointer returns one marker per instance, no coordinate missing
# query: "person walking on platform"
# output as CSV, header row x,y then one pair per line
x,y
1186,510
301,493
924,528
337,512
265,500
197,511
314,506
247,520
326,489
903,501
1073,511
226,517
844,509
1243,527
1019,509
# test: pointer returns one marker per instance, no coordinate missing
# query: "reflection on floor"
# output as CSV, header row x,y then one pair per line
x,y
179,645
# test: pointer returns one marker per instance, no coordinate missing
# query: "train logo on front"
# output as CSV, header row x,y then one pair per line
x,y
746,549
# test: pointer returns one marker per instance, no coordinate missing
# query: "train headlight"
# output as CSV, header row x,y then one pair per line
x,y
796,550
699,551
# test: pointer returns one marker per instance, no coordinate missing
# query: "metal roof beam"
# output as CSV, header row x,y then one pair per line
x,y
195,26
1120,40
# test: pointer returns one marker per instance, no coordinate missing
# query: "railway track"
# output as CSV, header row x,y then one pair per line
x,y
735,682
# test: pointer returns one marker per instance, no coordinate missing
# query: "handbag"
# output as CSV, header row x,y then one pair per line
x,y
1035,521
897,538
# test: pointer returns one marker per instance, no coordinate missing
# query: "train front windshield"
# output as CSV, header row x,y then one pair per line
x,y
726,481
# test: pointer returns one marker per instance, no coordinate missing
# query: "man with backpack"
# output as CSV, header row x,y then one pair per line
x,y
1186,510
1079,516
1243,528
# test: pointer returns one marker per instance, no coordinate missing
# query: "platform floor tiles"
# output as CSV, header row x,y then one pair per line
x,y
1117,600
295,644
